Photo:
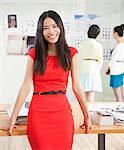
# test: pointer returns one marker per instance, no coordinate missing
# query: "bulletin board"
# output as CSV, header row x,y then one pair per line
x,y
76,32
106,37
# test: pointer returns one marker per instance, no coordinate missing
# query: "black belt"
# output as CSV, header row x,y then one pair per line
x,y
50,92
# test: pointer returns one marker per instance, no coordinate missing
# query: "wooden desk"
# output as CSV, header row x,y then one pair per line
x,y
100,130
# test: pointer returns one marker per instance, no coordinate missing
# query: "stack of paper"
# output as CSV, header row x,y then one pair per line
x,y
3,111
102,118
118,116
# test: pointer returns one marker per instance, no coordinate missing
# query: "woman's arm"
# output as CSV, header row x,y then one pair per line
x,y
24,90
79,93
116,54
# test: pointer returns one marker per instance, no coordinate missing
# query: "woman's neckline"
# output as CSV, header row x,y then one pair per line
x,y
52,55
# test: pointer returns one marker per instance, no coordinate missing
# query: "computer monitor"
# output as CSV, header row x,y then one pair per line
x,y
30,41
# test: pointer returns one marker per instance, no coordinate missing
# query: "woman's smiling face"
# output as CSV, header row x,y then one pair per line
x,y
51,31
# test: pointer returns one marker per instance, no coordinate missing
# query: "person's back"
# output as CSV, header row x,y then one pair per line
x,y
91,50
91,59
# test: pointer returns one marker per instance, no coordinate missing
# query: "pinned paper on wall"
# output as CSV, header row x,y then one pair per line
x,y
79,28
93,19
105,33
76,41
79,32
80,24
67,27
30,27
12,22
105,37
15,44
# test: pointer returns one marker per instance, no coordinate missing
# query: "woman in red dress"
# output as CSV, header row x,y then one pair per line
x,y
50,123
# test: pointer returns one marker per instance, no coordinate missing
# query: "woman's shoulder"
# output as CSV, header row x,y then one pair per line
x,y
119,47
73,51
98,45
120,44
31,53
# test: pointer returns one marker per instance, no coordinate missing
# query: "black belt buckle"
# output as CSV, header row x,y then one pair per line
x,y
40,93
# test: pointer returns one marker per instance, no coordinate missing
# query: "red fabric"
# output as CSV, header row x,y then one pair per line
x,y
54,77
31,52
50,122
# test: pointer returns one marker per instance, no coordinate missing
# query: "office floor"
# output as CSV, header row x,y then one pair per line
x,y
81,142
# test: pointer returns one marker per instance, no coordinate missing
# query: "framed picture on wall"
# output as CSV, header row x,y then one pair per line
x,y
16,44
12,21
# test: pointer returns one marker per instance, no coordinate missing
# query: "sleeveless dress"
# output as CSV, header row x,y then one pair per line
x,y
50,123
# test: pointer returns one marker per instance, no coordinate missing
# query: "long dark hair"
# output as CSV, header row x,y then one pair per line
x,y
41,45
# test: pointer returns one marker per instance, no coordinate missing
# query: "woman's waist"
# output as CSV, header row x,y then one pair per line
x,y
116,68
53,102
88,66
45,87
116,72
49,92
42,88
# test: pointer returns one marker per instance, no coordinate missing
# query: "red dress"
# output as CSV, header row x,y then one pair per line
x,y
50,122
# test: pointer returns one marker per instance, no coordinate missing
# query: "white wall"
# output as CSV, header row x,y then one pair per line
x,y
12,67
26,11
111,13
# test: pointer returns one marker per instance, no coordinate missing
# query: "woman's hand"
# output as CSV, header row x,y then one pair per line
x,y
11,126
87,124
108,71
